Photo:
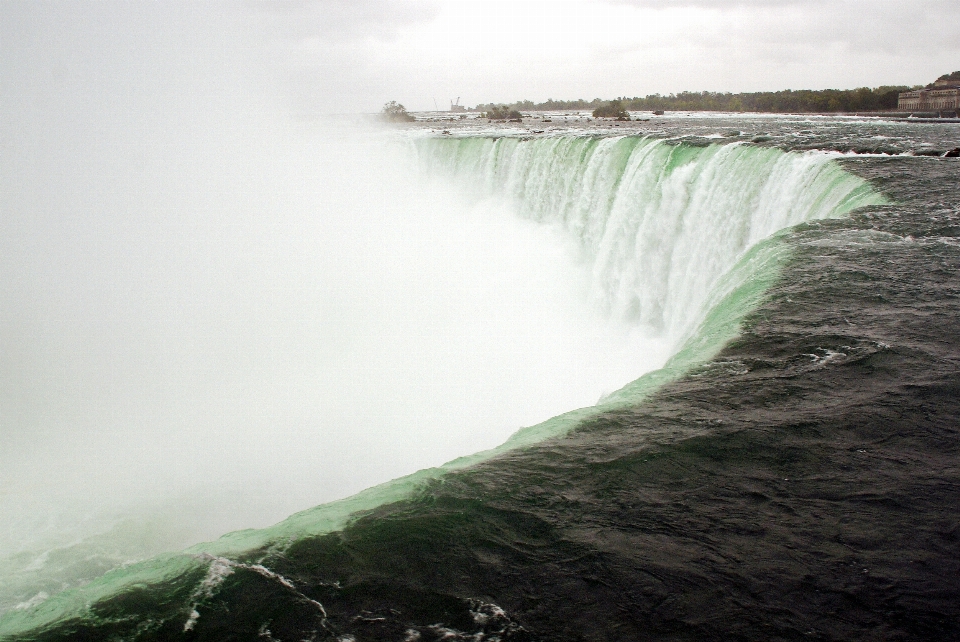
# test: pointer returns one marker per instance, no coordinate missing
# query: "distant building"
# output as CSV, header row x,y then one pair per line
x,y
456,106
943,95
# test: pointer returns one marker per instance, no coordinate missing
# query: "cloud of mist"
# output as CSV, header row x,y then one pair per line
x,y
210,304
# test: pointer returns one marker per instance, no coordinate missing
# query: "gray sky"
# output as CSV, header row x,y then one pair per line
x,y
353,55
356,55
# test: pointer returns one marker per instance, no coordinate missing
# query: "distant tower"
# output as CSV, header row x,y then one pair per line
x,y
456,106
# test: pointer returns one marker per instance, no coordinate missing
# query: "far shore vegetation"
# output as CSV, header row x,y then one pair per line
x,y
787,101
955,76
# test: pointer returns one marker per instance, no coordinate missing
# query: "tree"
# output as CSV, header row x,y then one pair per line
x,y
394,112
612,109
502,112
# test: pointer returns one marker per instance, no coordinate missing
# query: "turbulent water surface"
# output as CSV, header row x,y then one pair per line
x,y
790,473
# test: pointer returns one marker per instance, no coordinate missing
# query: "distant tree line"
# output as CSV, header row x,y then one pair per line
x,y
786,101
549,105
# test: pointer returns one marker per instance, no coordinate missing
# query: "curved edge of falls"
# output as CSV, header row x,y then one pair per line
x,y
642,211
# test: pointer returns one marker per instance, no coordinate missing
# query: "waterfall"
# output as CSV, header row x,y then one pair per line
x,y
675,238
658,222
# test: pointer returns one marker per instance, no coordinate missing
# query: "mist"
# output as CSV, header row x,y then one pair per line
x,y
216,310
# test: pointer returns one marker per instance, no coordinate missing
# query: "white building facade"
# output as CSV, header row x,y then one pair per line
x,y
937,98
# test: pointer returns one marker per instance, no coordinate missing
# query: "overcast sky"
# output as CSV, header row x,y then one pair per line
x,y
353,55
360,53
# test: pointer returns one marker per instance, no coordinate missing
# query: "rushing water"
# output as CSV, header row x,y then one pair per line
x,y
677,239
659,223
